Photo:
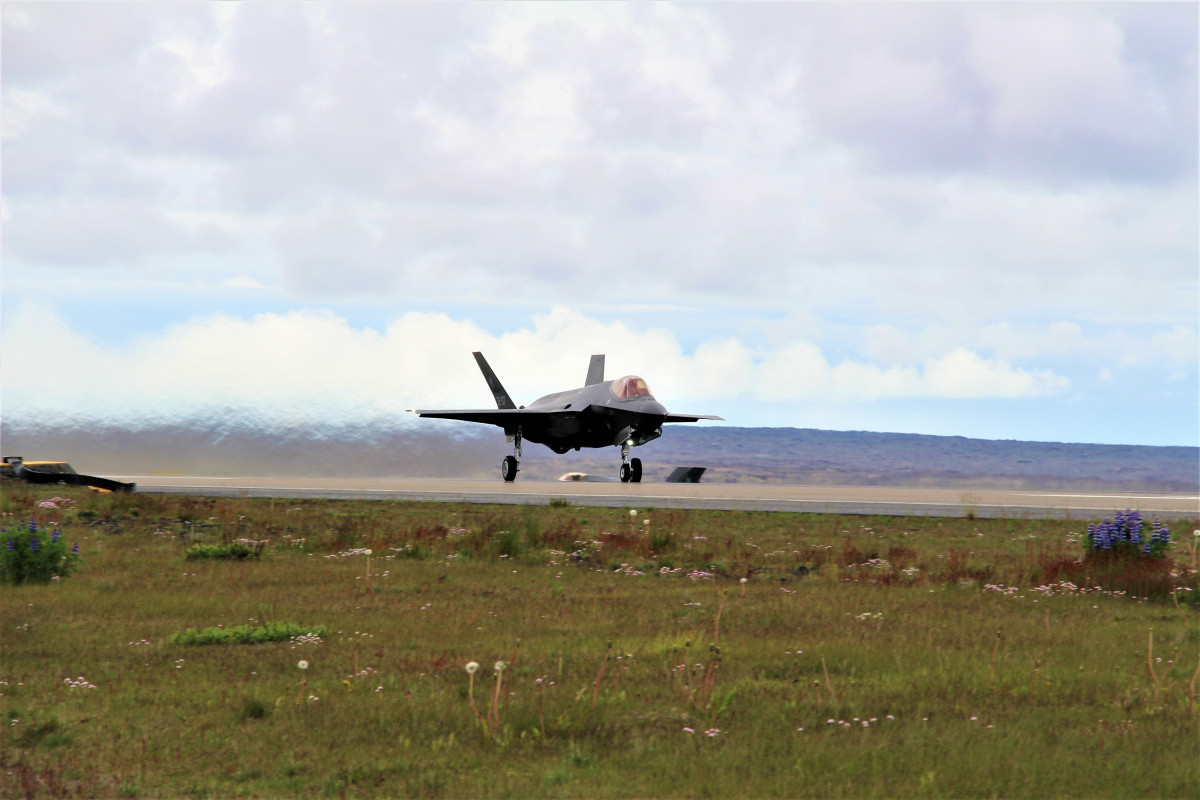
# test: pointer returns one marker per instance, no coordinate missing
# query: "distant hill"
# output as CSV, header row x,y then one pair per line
x,y
798,455
732,455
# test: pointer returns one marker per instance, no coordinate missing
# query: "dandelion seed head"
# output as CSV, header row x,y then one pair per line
x,y
472,666
302,664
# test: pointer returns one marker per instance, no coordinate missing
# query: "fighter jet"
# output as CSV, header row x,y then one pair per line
x,y
617,413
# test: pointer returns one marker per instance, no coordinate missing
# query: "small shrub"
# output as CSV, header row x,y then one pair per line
x,y
248,634
1120,556
661,541
508,543
239,549
32,556
47,733
1123,534
253,708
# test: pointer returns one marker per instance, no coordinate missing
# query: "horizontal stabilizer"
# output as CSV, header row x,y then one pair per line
x,y
686,475
492,416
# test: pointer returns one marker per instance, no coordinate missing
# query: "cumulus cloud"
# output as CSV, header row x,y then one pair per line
x,y
1180,346
314,367
1064,83
863,202
1061,342
745,151
801,372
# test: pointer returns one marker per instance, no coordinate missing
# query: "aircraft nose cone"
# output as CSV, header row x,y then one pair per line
x,y
654,407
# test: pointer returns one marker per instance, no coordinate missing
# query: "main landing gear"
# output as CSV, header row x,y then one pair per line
x,y
631,468
511,464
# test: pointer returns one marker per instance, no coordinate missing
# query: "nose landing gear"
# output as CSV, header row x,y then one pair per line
x,y
631,468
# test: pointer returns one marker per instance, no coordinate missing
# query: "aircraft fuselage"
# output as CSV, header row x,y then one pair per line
x,y
592,417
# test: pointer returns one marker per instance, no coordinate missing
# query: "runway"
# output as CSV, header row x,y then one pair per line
x,y
872,500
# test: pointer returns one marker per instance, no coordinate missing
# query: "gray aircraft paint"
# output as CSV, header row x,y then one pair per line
x,y
591,416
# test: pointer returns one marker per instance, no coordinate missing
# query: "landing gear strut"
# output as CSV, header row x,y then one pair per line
x,y
511,464
631,468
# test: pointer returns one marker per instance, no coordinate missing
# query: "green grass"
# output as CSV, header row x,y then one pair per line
x,y
973,681
232,551
249,634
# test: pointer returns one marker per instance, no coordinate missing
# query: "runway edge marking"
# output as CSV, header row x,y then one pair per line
x,y
849,507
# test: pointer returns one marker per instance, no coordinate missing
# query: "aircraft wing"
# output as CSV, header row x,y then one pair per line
x,y
690,417
489,416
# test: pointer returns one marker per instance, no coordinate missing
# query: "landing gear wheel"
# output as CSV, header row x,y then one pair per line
x,y
626,473
508,469
635,470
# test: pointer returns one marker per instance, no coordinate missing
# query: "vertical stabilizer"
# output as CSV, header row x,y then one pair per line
x,y
502,398
595,371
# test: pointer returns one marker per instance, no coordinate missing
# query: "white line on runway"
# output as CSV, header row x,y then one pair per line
x,y
1120,496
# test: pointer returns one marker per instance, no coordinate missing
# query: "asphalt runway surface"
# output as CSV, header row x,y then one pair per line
x,y
881,500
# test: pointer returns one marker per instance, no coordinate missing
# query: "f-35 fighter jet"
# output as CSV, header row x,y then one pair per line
x,y
620,413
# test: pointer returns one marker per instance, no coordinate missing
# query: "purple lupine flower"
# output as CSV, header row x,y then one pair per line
x,y
32,525
33,544
12,545
1127,531
54,536
75,547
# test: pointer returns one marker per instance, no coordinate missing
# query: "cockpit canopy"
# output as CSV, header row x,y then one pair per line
x,y
630,386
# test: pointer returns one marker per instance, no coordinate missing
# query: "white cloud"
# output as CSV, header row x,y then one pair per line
x,y
962,374
800,372
1059,342
869,201
313,365
1180,346
1056,73
242,282
736,153
93,233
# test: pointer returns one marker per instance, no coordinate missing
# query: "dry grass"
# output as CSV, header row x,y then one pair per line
x,y
971,680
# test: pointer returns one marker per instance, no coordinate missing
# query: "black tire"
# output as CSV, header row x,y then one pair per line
x,y
508,468
635,470
626,473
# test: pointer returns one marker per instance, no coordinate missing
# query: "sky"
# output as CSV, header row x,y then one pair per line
x,y
955,219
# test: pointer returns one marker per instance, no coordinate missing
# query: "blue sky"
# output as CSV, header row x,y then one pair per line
x,y
967,219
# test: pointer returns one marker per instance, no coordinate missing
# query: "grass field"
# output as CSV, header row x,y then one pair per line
x,y
860,657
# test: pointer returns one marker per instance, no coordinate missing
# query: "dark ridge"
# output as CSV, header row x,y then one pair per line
x,y
228,445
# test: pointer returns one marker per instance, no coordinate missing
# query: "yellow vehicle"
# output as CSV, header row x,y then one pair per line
x,y
57,472
52,467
